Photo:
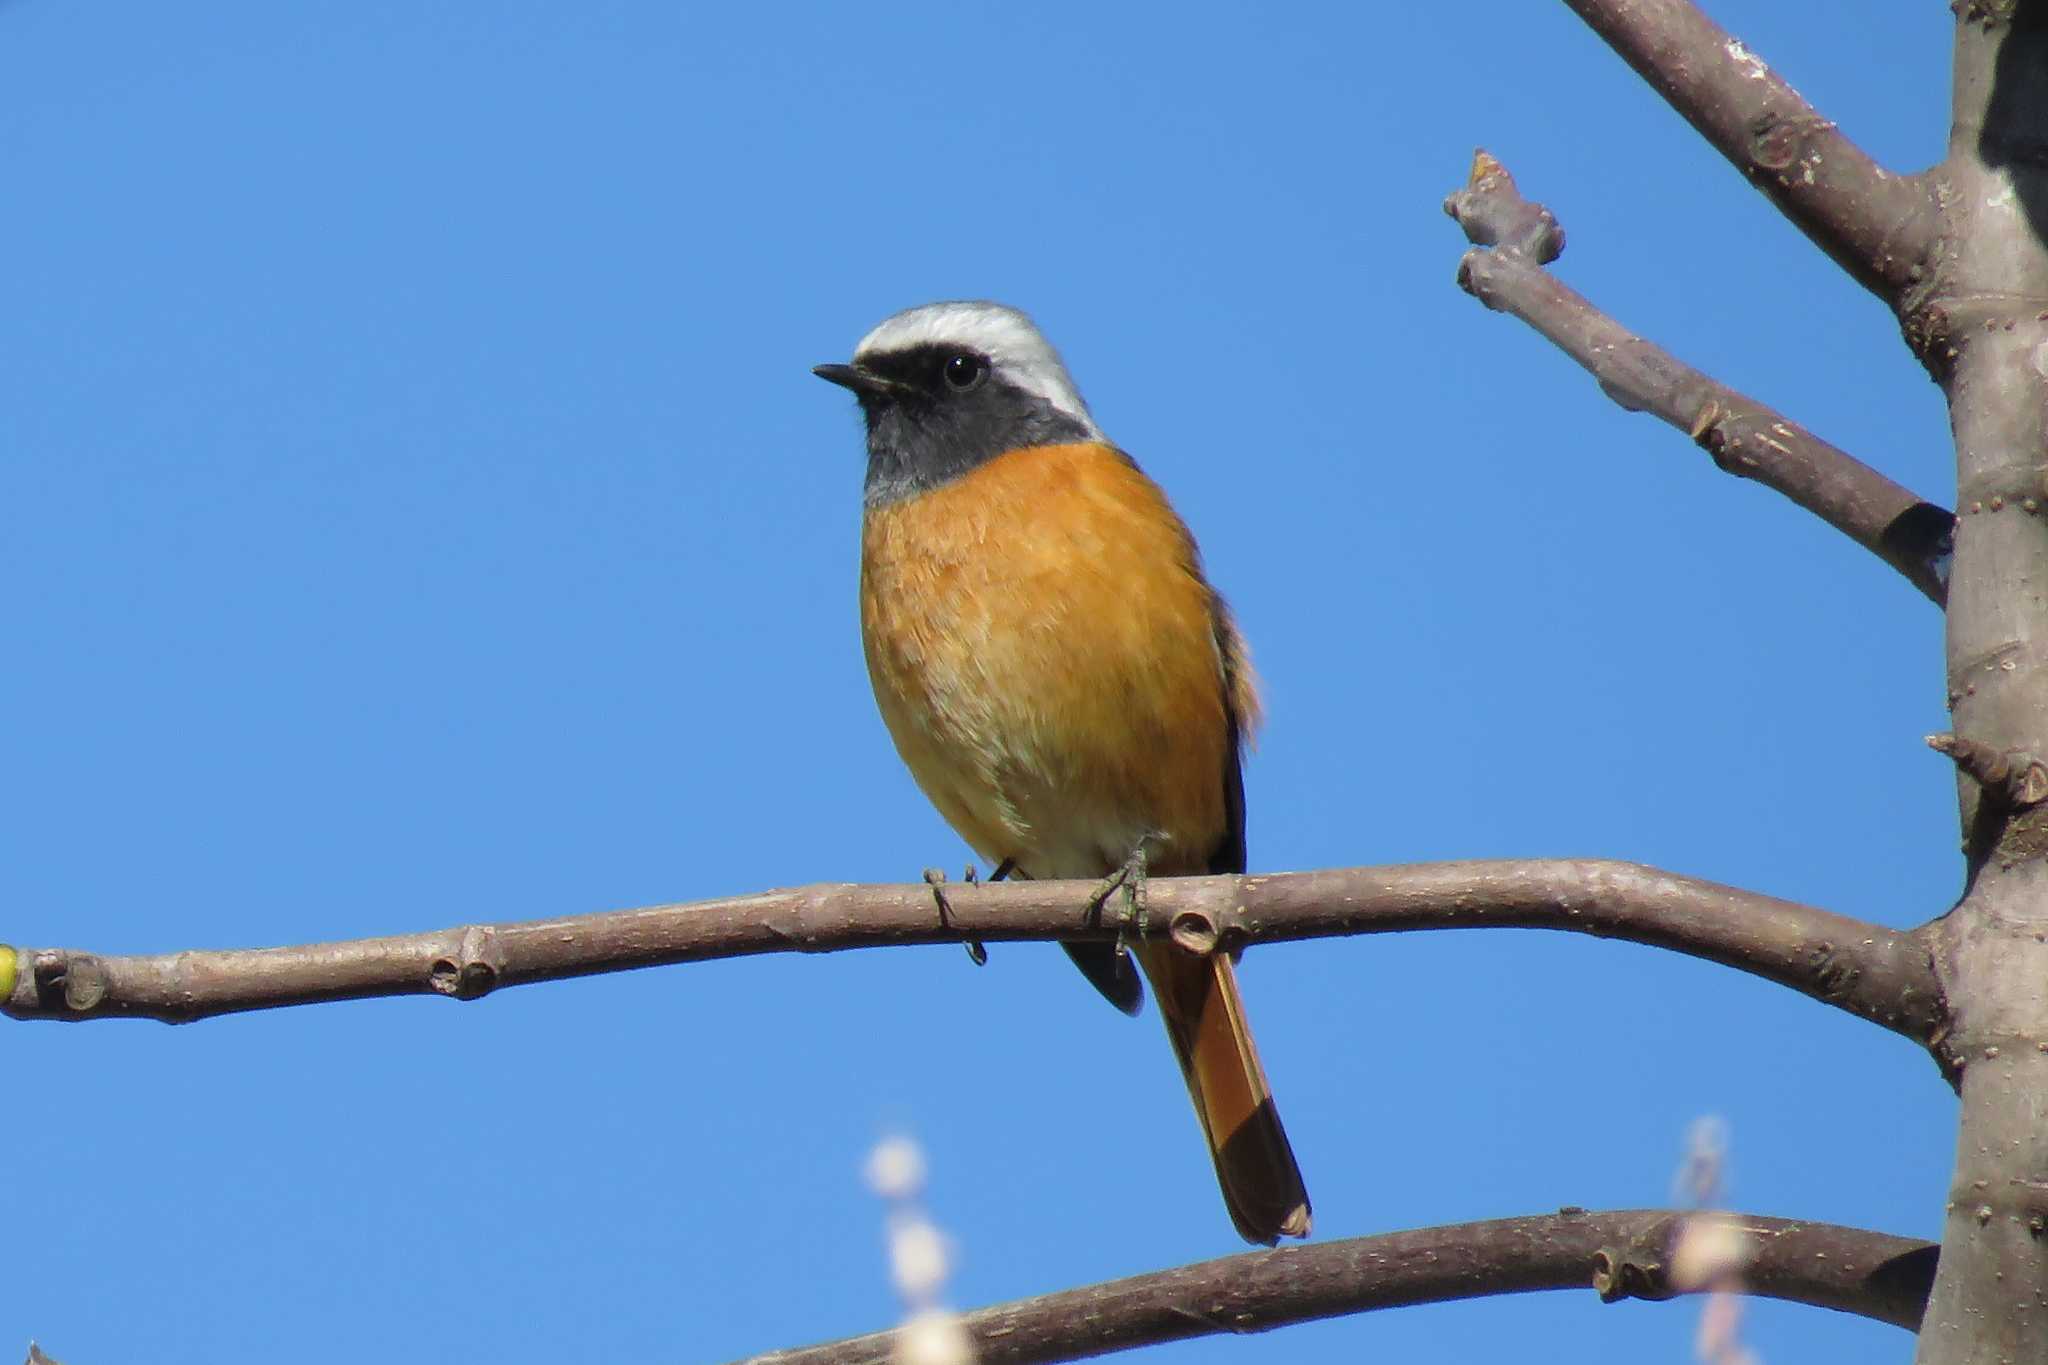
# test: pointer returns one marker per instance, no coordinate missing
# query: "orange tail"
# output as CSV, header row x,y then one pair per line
x,y
1205,1021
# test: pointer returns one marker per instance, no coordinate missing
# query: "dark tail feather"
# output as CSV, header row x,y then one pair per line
x,y
1109,970
1204,1014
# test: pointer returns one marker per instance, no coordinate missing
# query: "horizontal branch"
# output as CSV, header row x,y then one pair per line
x,y
1880,974
1878,226
1623,1255
1745,437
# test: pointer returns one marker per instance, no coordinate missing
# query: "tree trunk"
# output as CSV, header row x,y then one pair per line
x,y
1982,327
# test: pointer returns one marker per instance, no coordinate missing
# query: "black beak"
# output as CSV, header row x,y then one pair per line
x,y
864,383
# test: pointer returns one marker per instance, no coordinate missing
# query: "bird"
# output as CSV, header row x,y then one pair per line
x,y
1061,679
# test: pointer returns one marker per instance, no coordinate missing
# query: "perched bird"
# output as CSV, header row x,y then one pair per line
x,y
1060,678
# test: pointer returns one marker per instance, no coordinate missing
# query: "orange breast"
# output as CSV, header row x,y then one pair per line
x,y
1045,653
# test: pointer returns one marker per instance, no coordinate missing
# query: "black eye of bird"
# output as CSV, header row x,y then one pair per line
x,y
965,371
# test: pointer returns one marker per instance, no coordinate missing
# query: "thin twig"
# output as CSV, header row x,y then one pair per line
x,y
1745,437
1878,226
1880,974
2013,779
1622,1255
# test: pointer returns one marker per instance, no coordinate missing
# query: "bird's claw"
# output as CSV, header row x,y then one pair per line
x,y
977,953
1127,883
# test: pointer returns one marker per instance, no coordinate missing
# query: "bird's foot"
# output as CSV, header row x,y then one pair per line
x,y
977,952
1127,885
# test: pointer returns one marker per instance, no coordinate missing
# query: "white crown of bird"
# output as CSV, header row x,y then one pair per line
x,y
1017,353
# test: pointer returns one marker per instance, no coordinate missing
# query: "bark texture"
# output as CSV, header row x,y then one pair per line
x,y
1982,329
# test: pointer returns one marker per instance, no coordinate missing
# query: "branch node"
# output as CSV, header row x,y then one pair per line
x,y
2014,777
78,979
1492,213
1626,1273
1703,426
85,983
1714,431
1195,931
474,971
1837,976
1777,141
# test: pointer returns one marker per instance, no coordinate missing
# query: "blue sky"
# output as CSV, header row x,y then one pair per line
x,y
415,508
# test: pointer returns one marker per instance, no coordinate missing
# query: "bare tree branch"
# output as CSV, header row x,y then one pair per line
x,y
1880,974
1623,1255
1745,437
1878,226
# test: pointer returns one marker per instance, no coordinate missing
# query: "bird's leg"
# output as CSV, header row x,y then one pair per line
x,y
1129,880
977,951
1135,900
936,880
975,948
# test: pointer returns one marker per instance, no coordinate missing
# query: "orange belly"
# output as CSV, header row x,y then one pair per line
x,y
1049,661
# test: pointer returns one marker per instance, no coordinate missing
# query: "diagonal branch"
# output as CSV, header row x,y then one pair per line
x,y
1745,437
1878,226
1623,1255
1880,974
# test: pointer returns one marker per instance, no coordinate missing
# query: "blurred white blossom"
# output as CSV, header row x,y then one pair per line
x,y
896,1168
1711,1251
1712,1247
932,1336
917,1257
1700,1172
920,1257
